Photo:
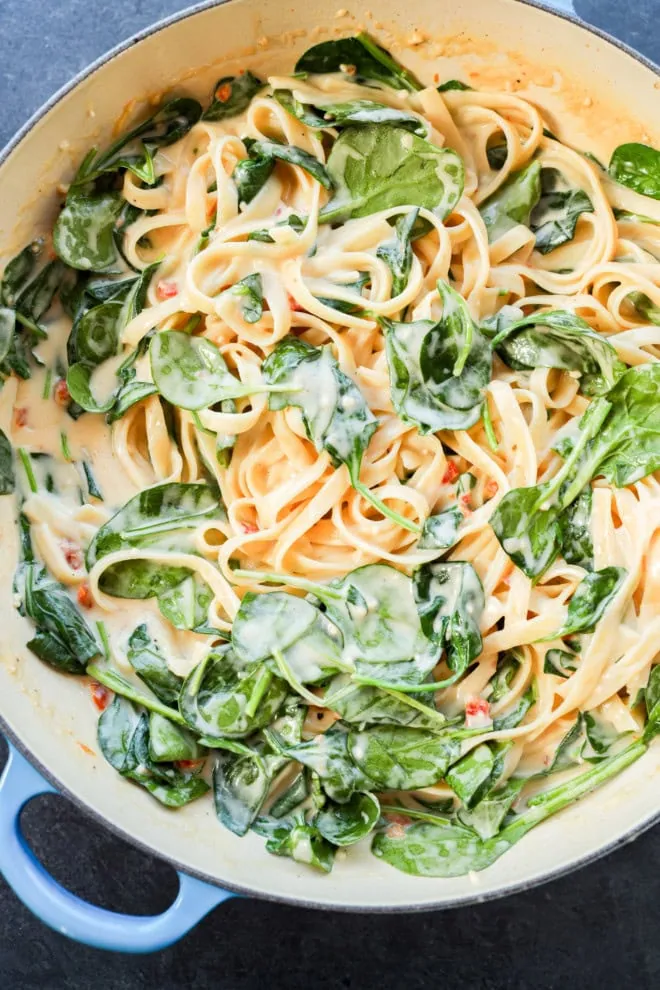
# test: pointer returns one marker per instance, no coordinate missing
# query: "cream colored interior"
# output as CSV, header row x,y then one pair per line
x,y
51,714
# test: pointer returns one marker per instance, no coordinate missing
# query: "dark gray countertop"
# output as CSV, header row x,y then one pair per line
x,y
595,928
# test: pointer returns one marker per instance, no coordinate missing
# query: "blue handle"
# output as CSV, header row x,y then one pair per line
x,y
69,914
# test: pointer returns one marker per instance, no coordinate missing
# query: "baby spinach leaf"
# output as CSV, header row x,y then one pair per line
x,y
141,579
468,776
453,84
376,168
252,297
334,411
294,795
63,638
115,730
353,112
559,339
7,476
438,370
36,297
555,216
186,605
361,59
297,839
240,786
328,756
169,743
134,149
18,271
292,155
232,95
450,601
147,660
652,704
191,373
445,848
7,328
363,705
276,623
440,532
636,166
561,663
397,253
513,202
401,758
222,697
83,236
251,175
487,816
645,307
496,153
590,600
575,523
346,824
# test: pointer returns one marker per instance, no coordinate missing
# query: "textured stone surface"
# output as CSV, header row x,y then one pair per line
x,y
596,928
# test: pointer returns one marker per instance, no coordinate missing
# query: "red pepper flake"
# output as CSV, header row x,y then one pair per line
x,y
223,93
20,416
490,488
465,501
86,749
61,393
167,290
188,764
248,527
72,554
101,696
294,305
477,713
85,595
451,473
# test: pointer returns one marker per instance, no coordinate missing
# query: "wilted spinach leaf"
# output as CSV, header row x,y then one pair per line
x,y
555,216
361,59
232,95
513,202
636,166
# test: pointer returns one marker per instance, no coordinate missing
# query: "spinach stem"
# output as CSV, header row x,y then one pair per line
x,y
29,470
111,679
66,450
261,686
293,681
405,688
105,641
48,381
412,527
321,591
488,426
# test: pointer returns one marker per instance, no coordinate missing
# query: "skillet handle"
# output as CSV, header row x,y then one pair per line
x,y
69,914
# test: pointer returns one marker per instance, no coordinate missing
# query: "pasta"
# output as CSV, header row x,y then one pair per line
x,y
344,429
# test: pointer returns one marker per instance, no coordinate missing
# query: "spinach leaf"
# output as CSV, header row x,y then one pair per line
x,y
636,166
134,150
334,411
328,756
154,512
240,786
7,476
470,775
18,271
83,236
361,59
487,816
445,848
353,112
191,373
187,605
124,740
652,704
363,705
294,795
222,698
438,370
619,438
401,758
452,84
513,202
397,253
555,216
376,168
169,743
63,638
561,663
252,297
450,601
575,524
251,175
7,327
298,839
559,339
440,532
232,95
645,307
147,660
590,600
289,153
346,824
281,625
